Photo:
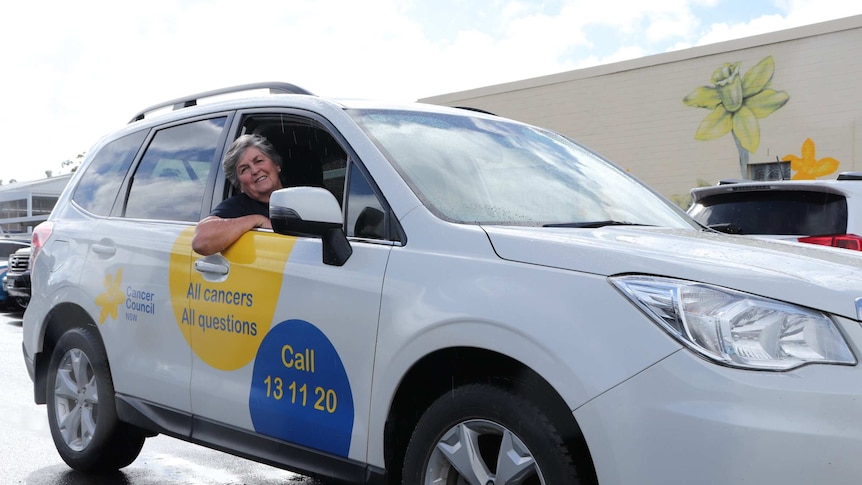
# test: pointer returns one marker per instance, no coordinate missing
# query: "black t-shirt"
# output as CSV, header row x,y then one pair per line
x,y
240,205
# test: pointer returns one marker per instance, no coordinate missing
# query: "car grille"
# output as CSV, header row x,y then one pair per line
x,y
18,262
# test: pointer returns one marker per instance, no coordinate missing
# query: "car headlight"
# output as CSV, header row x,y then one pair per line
x,y
735,328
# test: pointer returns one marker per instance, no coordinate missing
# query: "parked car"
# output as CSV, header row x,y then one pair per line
x,y
16,282
446,296
824,212
8,248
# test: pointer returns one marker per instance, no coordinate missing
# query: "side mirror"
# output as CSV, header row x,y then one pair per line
x,y
311,212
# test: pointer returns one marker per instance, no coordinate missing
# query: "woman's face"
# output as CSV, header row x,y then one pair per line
x,y
257,174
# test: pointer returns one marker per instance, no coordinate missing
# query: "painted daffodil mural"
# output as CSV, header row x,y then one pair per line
x,y
737,102
808,167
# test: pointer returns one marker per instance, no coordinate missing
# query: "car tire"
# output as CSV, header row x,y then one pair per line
x,y
483,434
82,412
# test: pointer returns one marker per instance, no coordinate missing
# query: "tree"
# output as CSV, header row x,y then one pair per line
x,y
72,165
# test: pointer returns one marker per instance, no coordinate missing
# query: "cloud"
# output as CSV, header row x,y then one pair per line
x,y
81,69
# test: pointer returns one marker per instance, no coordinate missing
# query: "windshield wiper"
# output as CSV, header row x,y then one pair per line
x,y
593,224
726,227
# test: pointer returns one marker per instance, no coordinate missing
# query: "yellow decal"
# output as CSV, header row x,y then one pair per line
x,y
111,299
224,321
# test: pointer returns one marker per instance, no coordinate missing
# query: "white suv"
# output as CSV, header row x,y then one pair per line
x,y
824,212
447,297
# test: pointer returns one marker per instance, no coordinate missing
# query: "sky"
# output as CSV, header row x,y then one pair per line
x,y
75,71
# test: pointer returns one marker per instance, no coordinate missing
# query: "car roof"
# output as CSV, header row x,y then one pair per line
x,y
267,95
258,95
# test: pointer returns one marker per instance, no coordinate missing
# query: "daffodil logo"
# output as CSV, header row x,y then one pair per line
x,y
808,167
112,297
737,103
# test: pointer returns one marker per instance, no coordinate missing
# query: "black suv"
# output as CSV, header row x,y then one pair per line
x,y
17,279
13,262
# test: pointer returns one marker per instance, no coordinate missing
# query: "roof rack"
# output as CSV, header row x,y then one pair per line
x,y
192,100
478,110
850,176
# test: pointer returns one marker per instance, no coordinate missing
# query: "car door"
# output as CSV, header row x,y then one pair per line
x,y
140,274
284,343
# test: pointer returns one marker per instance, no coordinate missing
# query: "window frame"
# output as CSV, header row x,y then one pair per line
x,y
394,234
75,199
121,204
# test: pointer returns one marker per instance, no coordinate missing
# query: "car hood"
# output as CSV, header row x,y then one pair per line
x,y
818,277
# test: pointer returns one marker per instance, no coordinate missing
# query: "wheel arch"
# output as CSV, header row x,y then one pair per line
x,y
448,368
58,321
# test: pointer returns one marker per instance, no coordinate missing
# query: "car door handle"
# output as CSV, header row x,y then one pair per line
x,y
202,266
104,249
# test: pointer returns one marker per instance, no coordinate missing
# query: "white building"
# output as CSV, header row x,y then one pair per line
x,y
786,104
23,205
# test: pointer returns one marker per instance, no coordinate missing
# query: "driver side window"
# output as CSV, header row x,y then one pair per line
x,y
310,155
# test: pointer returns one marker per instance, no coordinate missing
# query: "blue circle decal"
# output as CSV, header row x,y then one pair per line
x,y
300,392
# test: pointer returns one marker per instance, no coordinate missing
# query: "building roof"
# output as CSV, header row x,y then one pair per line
x,y
51,185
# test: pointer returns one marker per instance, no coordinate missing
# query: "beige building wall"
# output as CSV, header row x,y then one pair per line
x,y
633,113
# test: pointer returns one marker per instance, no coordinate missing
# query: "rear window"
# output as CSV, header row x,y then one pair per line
x,y
774,212
101,182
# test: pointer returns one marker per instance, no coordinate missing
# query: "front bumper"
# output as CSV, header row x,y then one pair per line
x,y
17,284
685,420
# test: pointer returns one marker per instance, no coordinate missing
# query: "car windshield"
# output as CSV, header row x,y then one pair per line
x,y
478,170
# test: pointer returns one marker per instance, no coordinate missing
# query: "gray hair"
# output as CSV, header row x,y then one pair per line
x,y
238,148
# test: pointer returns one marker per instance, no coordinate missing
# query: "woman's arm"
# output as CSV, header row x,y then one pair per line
x,y
213,234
